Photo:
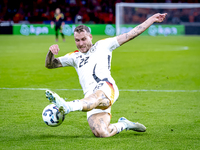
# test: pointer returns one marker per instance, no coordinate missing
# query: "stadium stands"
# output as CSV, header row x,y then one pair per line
x,y
90,11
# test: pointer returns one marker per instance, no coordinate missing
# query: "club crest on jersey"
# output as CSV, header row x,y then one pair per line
x,y
93,48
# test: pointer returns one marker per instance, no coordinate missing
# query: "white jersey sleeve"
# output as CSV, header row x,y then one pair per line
x,y
109,43
68,59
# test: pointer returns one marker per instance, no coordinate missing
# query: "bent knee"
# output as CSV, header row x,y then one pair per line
x,y
101,133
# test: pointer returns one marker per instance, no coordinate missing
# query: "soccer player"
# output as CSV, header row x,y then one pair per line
x,y
59,22
92,63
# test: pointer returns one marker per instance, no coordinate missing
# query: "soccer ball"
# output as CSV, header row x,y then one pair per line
x,y
52,116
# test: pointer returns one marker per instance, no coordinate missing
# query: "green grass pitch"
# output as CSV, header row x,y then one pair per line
x,y
146,63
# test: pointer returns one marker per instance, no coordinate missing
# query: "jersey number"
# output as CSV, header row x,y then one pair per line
x,y
83,61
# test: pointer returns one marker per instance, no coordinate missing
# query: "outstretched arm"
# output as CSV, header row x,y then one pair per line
x,y
51,61
123,38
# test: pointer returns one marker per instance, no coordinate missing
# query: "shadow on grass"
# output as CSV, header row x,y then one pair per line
x,y
42,137
130,134
65,136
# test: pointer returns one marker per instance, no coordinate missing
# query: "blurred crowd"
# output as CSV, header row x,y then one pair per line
x,y
84,11
174,16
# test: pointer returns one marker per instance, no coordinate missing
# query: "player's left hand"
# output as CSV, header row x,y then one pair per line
x,y
159,17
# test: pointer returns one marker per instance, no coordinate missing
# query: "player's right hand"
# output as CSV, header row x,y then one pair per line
x,y
54,49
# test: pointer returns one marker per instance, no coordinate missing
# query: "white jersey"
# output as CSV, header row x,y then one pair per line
x,y
93,66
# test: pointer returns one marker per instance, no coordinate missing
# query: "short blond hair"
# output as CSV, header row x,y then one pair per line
x,y
82,28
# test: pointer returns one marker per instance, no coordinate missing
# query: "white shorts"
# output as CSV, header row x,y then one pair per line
x,y
110,90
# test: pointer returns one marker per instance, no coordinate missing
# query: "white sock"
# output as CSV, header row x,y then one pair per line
x,y
120,126
75,105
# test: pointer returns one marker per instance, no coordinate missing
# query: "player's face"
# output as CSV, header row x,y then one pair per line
x,y
83,41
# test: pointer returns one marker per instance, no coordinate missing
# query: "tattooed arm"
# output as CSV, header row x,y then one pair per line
x,y
51,61
123,38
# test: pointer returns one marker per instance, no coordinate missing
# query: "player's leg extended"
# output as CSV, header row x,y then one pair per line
x,y
101,97
96,100
100,125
